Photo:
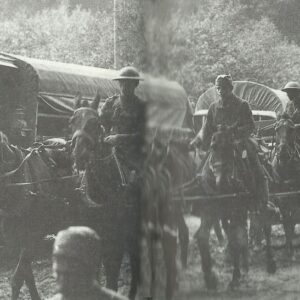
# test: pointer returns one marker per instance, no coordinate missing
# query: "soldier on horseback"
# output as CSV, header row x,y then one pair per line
x,y
123,117
235,115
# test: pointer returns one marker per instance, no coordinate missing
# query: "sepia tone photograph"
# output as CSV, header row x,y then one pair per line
x,y
149,149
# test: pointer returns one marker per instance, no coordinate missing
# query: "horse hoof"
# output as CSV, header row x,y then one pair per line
x,y
184,264
271,267
233,285
211,281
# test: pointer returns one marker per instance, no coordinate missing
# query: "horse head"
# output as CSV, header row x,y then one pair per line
x,y
222,157
285,136
87,132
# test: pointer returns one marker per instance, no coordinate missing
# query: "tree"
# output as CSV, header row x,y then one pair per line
x,y
60,35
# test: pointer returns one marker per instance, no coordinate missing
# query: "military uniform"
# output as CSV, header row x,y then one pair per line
x,y
129,119
235,113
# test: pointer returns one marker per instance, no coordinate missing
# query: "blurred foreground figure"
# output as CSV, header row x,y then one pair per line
x,y
76,261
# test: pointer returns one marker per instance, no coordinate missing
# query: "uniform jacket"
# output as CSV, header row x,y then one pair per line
x,y
236,112
130,119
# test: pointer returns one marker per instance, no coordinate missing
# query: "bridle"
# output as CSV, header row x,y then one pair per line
x,y
93,142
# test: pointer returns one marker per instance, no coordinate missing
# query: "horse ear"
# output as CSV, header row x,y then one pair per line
x,y
96,101
77,100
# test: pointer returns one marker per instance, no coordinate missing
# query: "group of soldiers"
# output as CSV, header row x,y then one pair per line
x,y
76,249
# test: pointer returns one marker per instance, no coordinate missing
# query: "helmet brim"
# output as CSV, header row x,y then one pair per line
x,y
291,89
128,78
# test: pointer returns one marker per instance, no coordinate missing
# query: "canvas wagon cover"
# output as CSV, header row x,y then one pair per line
x,y
59,82
260,97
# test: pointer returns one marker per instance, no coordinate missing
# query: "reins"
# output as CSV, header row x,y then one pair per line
x,y
41,181
13,172
18,168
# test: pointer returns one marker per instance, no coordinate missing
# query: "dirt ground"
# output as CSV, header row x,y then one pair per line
x,y
257,284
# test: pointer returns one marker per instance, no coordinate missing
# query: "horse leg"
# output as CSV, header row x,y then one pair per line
x,y
289,228
134,255
255,231
152,241
238,245
271,264
112,261
29,278
218,232
169,242
202,237
183,232
23,273
18,279
263,190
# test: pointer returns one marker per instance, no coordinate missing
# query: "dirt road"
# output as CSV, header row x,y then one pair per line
x,y
257,284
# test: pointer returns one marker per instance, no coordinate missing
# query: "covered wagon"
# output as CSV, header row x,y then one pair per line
x,y
36,97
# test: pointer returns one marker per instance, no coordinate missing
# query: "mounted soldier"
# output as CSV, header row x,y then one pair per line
x,y
124,119
235,115
76,260
292,89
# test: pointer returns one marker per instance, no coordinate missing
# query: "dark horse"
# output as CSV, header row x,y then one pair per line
x,y
222,174
116,211
33,202
286,163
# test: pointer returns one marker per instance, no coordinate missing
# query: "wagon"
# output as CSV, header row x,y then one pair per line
x,y
266,103
36,97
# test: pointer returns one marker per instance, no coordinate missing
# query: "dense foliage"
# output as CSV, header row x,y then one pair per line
x,y
186,40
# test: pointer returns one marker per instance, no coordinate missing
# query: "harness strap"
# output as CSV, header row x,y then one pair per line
x,y
40,181
13,172
123,180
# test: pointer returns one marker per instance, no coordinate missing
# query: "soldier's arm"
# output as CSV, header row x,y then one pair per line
x,y
246,125
207,129
290,108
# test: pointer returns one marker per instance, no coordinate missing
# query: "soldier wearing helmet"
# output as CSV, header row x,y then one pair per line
x,y
292,89
229,110
235,114
76,259
123,118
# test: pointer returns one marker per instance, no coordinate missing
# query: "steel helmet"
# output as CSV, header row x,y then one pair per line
x,y
292,85
128,73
